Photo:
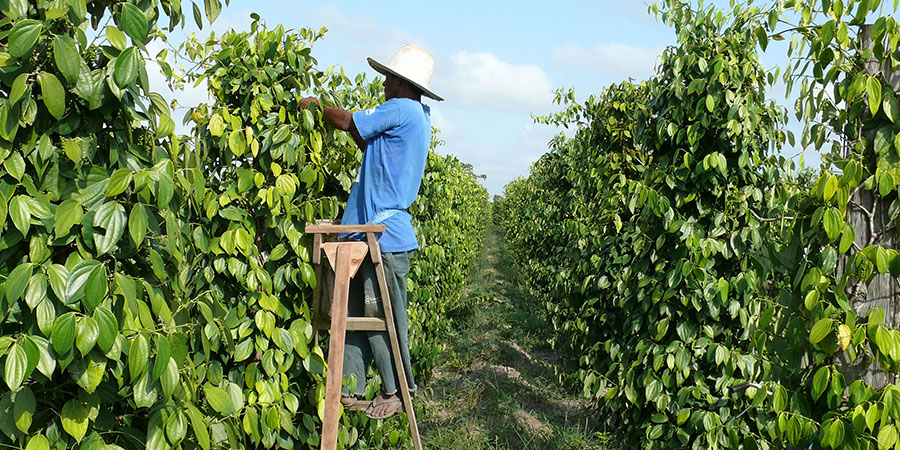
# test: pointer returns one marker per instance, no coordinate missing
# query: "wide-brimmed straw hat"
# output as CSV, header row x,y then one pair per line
x,y
413,64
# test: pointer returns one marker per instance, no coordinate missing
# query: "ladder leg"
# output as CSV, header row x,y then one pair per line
x,y
395,350
336,350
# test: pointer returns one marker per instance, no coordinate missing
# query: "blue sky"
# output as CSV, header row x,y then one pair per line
x,y
497,62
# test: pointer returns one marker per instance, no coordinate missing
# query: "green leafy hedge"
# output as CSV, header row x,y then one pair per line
x,y
154,287
450,218
678,261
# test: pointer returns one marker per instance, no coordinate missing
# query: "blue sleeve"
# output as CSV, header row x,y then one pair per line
x,y
375,121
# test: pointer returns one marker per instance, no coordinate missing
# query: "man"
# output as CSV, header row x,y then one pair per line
x,y
394,138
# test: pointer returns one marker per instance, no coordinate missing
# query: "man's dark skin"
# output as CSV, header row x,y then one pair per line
x,y
394,87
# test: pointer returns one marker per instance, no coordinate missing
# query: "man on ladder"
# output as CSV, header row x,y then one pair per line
x,y
395,138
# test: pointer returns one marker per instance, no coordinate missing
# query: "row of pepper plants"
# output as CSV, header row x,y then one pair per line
x,y
154,287
680,257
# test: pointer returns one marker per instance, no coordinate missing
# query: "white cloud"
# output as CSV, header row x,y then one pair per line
x,y
480,80
439,120
502,160
369,38
609,58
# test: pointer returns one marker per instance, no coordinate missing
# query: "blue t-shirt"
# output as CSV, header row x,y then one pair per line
x,y
397,134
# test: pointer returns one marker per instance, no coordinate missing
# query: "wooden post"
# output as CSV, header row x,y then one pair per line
x,y
868,215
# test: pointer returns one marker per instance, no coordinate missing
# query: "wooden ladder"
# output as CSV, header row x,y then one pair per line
x,y
345,258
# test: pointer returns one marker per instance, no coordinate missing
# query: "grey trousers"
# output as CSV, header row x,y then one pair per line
x,y
364,346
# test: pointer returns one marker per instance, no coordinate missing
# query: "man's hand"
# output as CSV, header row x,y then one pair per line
x,y
339,119
304,102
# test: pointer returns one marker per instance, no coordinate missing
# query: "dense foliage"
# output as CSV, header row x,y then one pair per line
x,y
450,218
155,287
678,261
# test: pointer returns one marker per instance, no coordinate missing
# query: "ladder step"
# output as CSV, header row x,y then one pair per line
x,y
366,324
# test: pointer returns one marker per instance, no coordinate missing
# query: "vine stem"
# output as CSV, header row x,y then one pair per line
x,y
775,219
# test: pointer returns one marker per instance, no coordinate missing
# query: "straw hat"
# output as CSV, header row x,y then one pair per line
x,y
413,64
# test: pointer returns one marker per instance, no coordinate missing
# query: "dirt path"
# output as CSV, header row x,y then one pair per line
x,y
496,386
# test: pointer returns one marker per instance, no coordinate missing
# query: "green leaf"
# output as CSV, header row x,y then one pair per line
x,y
887,436
847,239
820,330
201,431
176,427
891,108
38,442
23,409
89,371
831,186
134,23
165,128
710,102
811,300
17,282
72,148
67,58
75,419
833,223
16,366
86,331
169,378
138,355
78,279
46,315
820,382
91,87
873,89
882,263
165,190
9,121
116,37
218,399
723,289
213,8
37,290
127,67
119,181
23,36
137,224
883,139
68,214
110,217
15,165
53,94
236,142
63,333
107,328
780,399
46,358
885,183
145,394
161,358
20,213
15,9
217,125
18,87
198,16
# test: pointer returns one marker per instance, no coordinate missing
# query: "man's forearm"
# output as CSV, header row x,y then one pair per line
x,y
343,120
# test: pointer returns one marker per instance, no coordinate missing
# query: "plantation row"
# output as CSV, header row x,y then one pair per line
x,y
154,288
680,258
